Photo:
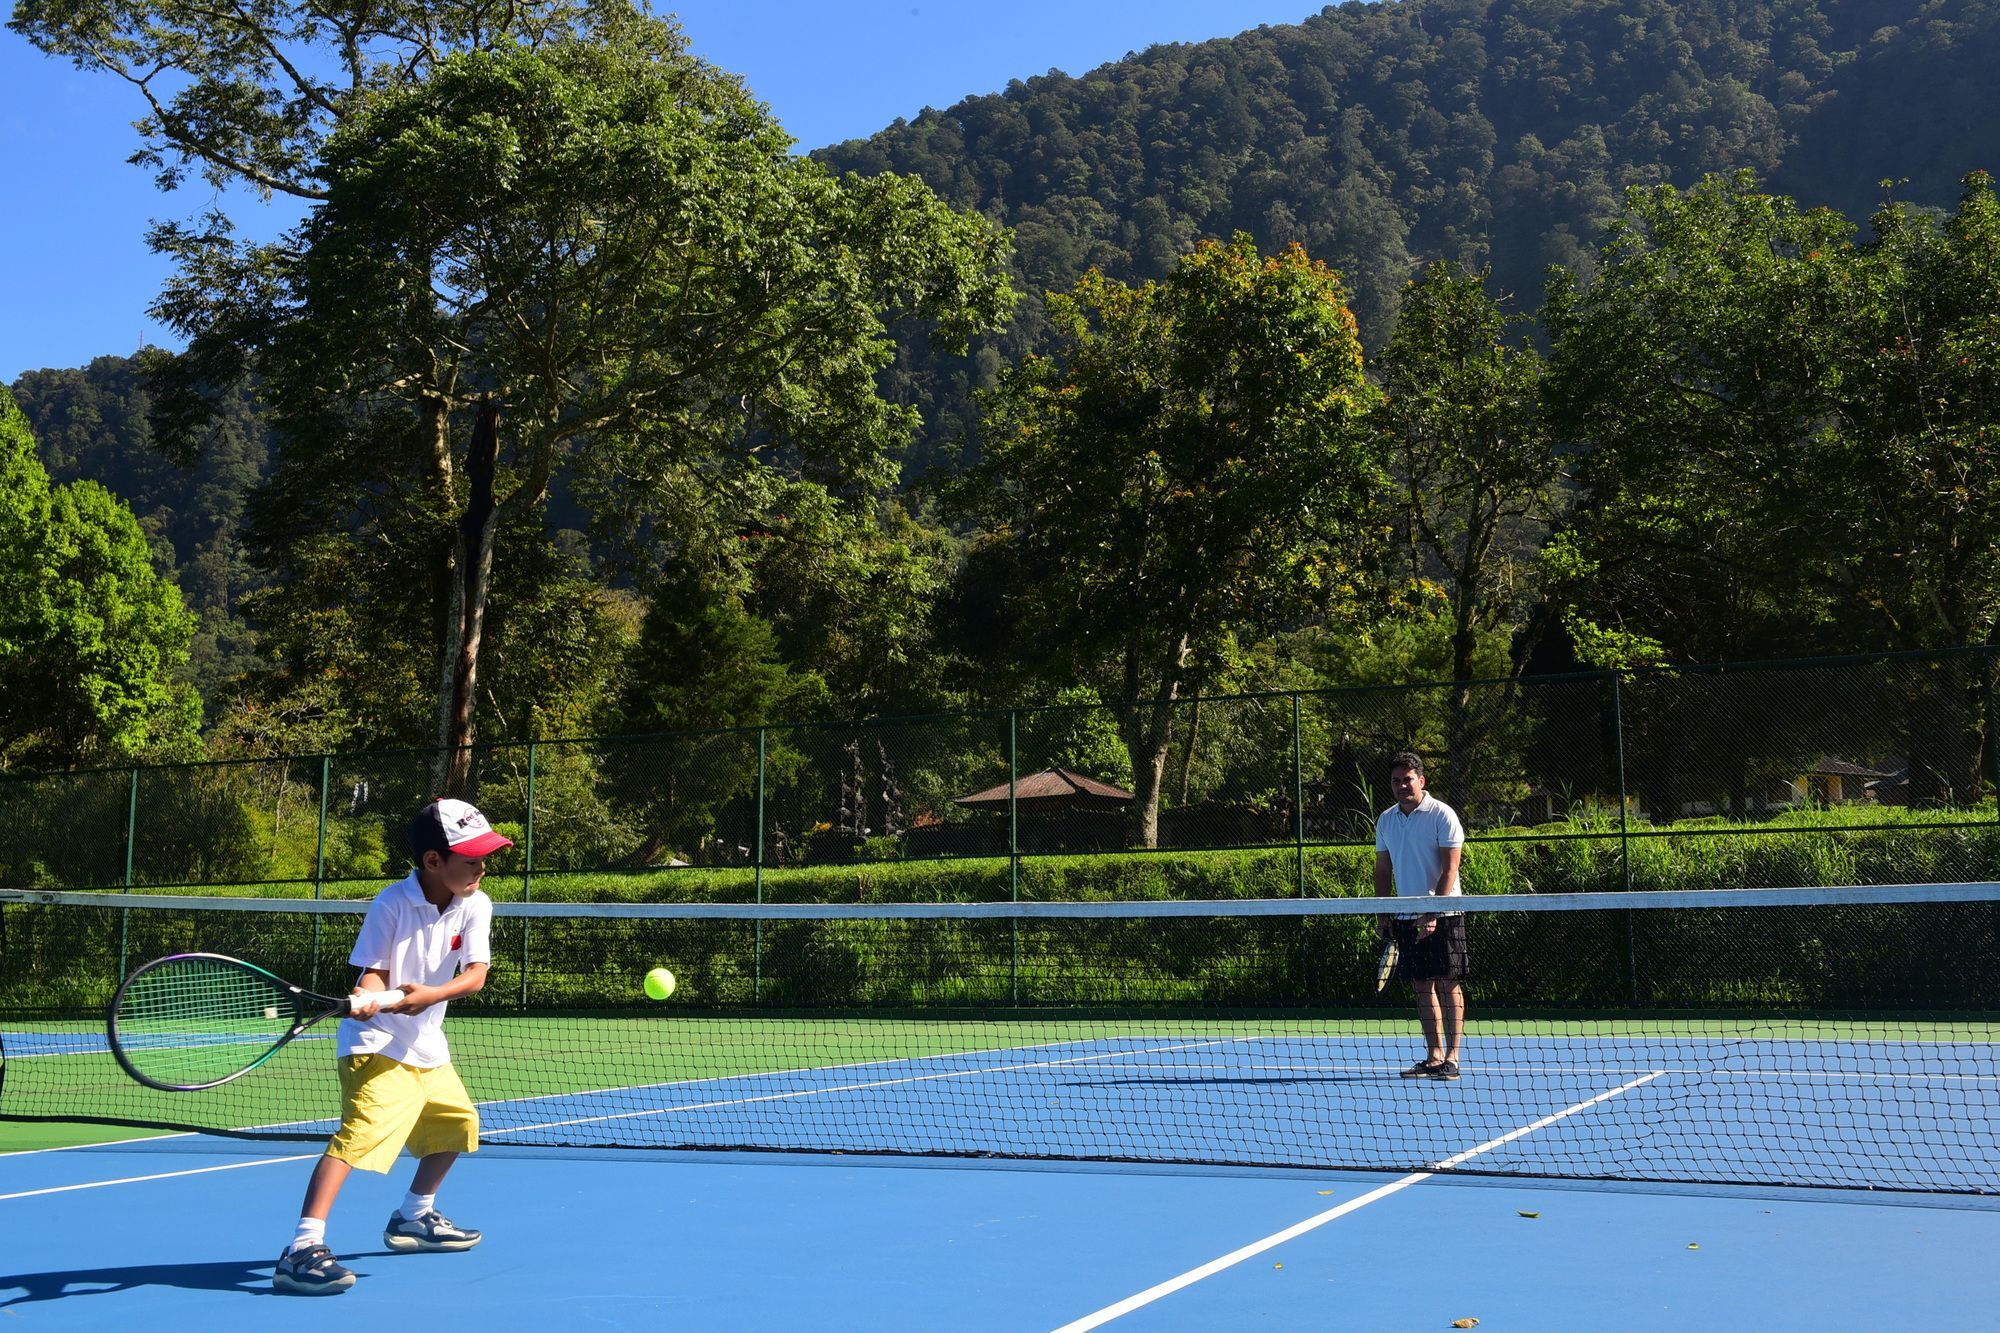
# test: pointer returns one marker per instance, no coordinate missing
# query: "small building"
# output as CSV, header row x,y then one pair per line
x,y
1049,790
1833,781
1056,810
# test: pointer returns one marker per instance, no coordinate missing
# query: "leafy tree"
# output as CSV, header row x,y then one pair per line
x,y
1695,370
1788,440
602,257
91,638
850,593
1193,465
93,423
1479,476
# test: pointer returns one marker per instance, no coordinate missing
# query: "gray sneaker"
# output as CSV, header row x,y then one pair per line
x,y
432,1231
311,1271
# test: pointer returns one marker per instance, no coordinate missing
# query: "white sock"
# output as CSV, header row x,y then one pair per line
x,y
312,1231
415,1205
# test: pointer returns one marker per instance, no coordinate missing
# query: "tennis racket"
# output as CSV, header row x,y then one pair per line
x,y
197,1020
1385,966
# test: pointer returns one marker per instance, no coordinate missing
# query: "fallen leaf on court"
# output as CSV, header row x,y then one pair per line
x,y
1693,1246
1326,1191
1530,1214
1465,1323
1277,1265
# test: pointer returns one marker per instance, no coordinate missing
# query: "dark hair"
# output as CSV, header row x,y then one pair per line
x,y
426,832
1406,759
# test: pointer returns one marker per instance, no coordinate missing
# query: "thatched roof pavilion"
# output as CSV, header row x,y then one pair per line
x,y
1050,790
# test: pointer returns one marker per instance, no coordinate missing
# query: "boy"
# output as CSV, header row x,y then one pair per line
x,y
1418,842
430,936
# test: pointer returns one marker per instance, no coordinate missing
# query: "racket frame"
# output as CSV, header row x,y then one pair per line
x,y
308,1008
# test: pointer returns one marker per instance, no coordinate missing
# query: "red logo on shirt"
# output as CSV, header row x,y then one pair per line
x,y
457,940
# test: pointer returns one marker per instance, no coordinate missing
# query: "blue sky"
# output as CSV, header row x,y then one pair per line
x,y
78,277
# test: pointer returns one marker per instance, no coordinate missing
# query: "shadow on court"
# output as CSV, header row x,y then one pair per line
x,y
245,1276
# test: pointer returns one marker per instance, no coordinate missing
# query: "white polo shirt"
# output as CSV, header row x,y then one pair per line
x,y
1417,842
415,943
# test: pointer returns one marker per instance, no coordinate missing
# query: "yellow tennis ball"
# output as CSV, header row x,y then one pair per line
x,y
659,983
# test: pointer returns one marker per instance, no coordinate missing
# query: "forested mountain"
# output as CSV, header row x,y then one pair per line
x,y
1495,133
91,424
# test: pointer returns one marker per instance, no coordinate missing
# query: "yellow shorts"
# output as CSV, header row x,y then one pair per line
x,y
386,1106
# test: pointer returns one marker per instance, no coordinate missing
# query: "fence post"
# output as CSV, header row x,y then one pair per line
x,y
319,860
1987,741
1298,797
1014,847
1624,836
757,940
131,840
131,823
527,873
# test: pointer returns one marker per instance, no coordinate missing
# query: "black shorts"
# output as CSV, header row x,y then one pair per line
x,y
1439,956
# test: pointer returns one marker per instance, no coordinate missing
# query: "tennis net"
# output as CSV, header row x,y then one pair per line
x,y
1815,1037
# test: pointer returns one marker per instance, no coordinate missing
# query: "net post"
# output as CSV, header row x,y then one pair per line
x,y
1014,847
319,860
527,872
1298,796
757,931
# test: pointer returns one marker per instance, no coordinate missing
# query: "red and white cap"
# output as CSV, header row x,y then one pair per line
x,y
448,825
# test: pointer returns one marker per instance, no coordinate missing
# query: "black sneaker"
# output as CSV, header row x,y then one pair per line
x,y
1446,1069
311,1271
432,1231
1424,1068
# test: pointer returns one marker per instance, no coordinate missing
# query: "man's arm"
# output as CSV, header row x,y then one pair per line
x,y
1385,887
1447,876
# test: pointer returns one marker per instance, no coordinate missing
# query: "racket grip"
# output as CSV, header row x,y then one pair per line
x,y
383,999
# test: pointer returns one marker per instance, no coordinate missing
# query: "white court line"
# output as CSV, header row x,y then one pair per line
x,y
1549,1072
164,1175
1255,1248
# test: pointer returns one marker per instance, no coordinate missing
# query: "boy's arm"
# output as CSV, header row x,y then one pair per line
x,y
371,979
416,999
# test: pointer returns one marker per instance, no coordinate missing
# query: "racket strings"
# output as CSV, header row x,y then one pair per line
x,y
194,1021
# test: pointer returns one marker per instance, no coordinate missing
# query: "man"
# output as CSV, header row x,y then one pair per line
x,y
1418,842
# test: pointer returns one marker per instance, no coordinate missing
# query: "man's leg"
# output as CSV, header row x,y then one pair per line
x,y
1432,1019
1450,999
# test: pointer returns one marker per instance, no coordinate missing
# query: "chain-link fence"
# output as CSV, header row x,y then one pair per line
x,y
1840,771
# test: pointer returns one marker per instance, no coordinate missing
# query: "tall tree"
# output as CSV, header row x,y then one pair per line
x,y
92,638
598,266
1478,474
1192,464
1695,372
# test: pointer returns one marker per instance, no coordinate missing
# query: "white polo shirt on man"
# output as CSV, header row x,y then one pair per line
x,y
1416,843
405,936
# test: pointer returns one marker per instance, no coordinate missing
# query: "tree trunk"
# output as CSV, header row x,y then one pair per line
x,y
465,619
1149,731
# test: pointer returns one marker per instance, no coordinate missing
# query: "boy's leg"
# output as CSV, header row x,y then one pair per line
x,y
431,1172
307,1267
324,1187
449,1126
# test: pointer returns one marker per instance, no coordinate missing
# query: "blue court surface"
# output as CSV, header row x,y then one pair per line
x,y
182,1231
